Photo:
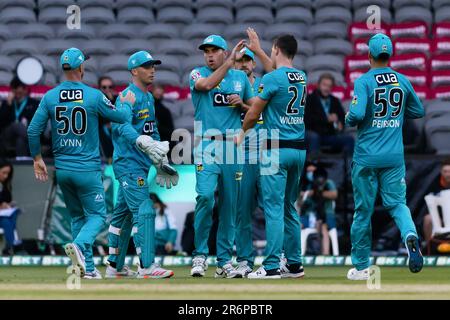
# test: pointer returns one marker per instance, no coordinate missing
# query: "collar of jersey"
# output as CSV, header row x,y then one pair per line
x,y
137,90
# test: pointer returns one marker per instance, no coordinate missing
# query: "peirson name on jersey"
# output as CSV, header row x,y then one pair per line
x,y
386,123
221,100
384,79
71,95
295,77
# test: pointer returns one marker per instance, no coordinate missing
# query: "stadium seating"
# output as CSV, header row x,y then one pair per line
x,y
332,36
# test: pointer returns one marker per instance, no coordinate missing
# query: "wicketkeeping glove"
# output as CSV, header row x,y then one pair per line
x,y
166,175
156,150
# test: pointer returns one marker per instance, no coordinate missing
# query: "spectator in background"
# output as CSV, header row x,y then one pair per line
x,y
106,85
15,115
317,203
8,210
163,115
324,119
165,228
442,182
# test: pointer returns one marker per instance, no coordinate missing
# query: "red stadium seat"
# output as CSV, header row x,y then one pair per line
x,y
412,46
441,30
440,78
409,30
416,77
360,47
410,61
422,92
360,62
440,62
440,93
359,30
441,45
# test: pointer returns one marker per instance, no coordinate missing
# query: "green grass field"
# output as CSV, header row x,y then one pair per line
x,y
319,283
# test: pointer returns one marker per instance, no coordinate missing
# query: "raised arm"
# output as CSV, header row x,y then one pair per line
x,y
255,46
209,83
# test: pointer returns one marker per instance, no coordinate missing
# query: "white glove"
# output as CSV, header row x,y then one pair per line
x,y
166,175
156,150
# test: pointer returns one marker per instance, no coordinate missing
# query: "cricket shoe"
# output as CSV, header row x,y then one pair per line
x,y
354,274
93,275
292,270
199,266
112,273
77,257
154,272
262,273
227,271
243,269
415,257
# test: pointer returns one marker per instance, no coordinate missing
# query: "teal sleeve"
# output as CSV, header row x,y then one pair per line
x,y
269,87
414,107
330,185
107,110
193,77
357,110
155,135
172,236
248,89
36,127
126,130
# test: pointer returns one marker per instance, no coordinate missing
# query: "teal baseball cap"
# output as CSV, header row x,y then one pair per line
x,y
72,58
215,41
141,59
380,43
248,53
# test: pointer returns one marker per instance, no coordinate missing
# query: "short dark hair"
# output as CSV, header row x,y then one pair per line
x,y
382,57
287,45
8,182
104,78
15,83
445,162
328,76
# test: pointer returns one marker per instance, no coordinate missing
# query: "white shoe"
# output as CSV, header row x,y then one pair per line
x,y
288,271
154,272
93,275
227,271
77,257
243,269
112,273
354,274
262,273
199,266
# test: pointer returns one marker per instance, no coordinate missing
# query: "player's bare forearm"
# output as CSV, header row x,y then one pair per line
x,y
330,195
245,107
209,83
265,60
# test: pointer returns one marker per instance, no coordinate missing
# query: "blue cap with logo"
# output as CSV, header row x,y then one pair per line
x,y
141,59
72,58
215,41
380,43
248,53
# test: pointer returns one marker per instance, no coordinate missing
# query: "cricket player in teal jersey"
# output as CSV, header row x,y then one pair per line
x,y
250,195
382,99
133,212
281,99
214,88
73,110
